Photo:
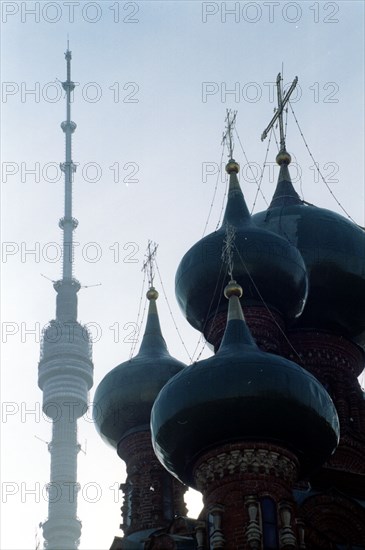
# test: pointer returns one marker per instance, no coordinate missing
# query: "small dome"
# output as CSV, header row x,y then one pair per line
x,y
265,265
333,249
124,398
242,394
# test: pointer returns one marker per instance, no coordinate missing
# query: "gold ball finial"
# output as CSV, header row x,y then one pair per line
x,y
152,294
283,157
233,289
232,166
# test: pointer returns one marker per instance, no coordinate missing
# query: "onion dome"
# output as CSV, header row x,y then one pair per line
x,y
242,394
124,398
333,249
266,265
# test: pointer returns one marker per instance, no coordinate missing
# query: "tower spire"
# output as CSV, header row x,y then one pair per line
x,y
68,223
65,372
67,287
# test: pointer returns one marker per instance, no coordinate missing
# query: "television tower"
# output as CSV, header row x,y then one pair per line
x,y
65,371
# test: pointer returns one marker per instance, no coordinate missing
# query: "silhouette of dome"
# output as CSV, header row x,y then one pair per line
x,y
124,398
265,265
333,249
242,394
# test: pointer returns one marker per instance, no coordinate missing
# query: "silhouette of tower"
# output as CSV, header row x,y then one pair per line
x,y
65,372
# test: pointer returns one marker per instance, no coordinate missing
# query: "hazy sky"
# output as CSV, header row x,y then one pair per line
x,y
155,79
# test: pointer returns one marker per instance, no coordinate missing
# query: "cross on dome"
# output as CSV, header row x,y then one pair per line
x,y
279,115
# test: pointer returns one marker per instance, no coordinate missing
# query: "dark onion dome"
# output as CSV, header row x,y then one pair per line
x,y
333,249
242,394
274,265
124,398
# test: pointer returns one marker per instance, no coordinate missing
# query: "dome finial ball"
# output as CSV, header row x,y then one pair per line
x,y
152,294
283,157
233,289
232,166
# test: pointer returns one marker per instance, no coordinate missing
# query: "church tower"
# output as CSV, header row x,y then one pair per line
x,y
270,429
308,307
244,426
329,337
153,498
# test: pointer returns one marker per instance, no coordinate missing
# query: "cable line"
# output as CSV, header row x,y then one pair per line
x,y
246,159
318,169
215,191
267,307
170,311
138,322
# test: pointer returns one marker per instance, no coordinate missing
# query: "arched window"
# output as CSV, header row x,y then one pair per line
x,y
269,522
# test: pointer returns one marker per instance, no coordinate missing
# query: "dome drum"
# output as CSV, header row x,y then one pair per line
x,y
258,461
267,328
324,351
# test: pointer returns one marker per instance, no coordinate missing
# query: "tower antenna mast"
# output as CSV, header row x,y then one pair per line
x,y
68,224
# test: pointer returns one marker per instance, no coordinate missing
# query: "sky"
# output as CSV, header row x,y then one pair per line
x,y
154,82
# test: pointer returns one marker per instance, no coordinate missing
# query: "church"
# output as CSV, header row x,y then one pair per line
x,y
270,428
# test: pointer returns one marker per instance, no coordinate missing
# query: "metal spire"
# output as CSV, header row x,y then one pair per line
x,y
67,287
279,111
228,134
68,223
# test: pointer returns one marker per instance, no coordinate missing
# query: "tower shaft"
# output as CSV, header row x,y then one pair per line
x,y
63,529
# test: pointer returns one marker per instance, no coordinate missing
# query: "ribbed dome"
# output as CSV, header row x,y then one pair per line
x,y
124,398
275,266
333,249
242,394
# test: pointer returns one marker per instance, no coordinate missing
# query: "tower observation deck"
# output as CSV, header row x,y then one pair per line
x,y
65,372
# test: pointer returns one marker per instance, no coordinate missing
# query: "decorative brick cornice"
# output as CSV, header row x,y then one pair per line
x,y
349,455
260,461
321,350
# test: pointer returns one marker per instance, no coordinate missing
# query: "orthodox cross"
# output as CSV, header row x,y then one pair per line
x,y
279,111
228,134
227,251
149,263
